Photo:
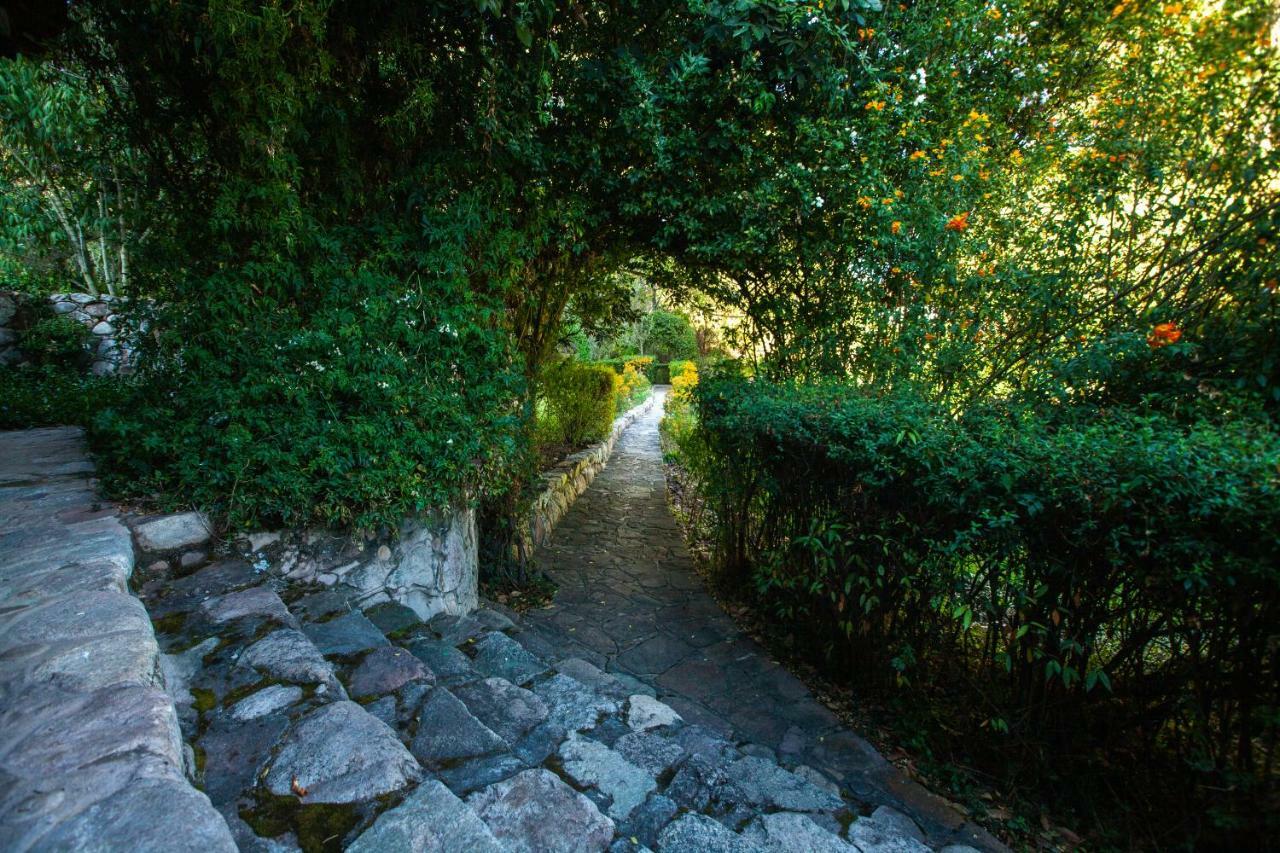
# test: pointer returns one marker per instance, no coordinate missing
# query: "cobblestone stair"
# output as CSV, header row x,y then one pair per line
x,y
317,726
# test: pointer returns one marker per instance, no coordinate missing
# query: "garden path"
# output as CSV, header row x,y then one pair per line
x,y
630,602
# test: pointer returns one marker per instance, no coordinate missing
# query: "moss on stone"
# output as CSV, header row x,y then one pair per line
x,y
205,700
317,826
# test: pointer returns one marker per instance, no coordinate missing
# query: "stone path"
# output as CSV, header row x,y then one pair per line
x,y
630,603
90,754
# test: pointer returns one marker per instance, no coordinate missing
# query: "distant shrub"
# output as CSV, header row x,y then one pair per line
x,y
669,335
643,364
580,400
678,421
684,378
633,388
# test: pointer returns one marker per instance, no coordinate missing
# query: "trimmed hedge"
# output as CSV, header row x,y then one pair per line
x,y
1116,577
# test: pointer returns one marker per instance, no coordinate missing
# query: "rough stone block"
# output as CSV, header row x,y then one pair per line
x,y
595,765
341,754
447,731
536,811
430,820
172,532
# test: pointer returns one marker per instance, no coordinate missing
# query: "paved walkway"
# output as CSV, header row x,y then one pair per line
x,y
630,602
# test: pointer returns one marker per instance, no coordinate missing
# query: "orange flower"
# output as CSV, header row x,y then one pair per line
x,y
895,227
959,222
875,105
1163,335
916,155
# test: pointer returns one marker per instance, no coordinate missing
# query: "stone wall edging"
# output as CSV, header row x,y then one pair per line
x,y
92,754
565,482
430,565
107,350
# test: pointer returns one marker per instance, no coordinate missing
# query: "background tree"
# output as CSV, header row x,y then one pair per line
x,y
67,187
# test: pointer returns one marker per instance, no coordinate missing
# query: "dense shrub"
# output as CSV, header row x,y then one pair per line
x,y
326,390
677,428
1114,578
633,388
683,368
669,335
53,396
56,342
644,364
580,401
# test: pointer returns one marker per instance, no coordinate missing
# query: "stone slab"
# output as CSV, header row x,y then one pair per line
x,y
341,754
430,820
536,811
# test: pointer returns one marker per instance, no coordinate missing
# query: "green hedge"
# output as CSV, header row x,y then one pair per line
x,y
1117,576
580,402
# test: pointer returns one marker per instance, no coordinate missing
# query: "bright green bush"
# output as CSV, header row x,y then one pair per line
x,y
1115,576
669,335
580,401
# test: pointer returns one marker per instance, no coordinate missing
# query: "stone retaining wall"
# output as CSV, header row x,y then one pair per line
x,y
90,751
430,566
108,352
562,484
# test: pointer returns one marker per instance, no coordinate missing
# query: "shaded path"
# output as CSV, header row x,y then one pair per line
x,y
630,602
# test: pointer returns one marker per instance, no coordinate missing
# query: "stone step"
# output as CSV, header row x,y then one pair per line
x,y
90,751
569,745
276,737
391,719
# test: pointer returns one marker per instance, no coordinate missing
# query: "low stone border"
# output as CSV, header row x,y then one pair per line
x,y
570,477
430,564
90,751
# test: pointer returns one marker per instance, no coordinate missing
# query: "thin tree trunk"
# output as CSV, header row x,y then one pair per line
x,y
108,277
124,233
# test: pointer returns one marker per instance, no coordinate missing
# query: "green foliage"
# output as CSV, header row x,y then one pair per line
x,y
580,401
1102,575
67,185
56,342
669,335
56,396
353,393
493,166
